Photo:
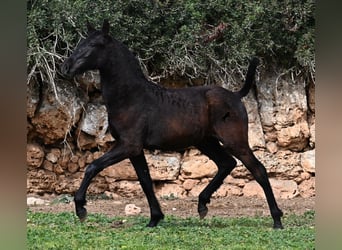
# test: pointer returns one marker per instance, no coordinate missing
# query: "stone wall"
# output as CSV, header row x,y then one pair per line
x,y
68,129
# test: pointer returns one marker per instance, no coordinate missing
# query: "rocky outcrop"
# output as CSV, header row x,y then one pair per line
x,y
197,166
283,112
282,189
68,129
59,110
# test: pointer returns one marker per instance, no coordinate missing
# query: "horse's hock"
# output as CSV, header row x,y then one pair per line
x,y
68,133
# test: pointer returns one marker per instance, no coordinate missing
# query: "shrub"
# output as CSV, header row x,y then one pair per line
x,y
195,39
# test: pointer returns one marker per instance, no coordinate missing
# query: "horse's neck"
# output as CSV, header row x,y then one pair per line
x,y
121,78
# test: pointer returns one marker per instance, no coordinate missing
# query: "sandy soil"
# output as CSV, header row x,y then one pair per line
x,y
225,207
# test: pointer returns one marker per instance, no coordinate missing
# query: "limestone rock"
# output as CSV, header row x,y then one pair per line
x,y
307,161
170,191
65,184
33,201
52,129
265,94
294,137
241,172
34,155
120,171
127,188
272,147
132,209
303,176
255,133
192,152
164,166
94,121
198,167
85,141
235,181
291,102
58,169
228,190
188,184
307,188
48,165
53,155
283,164
111,195
283,111
58,113
283,189
73,167
99,185
196,190
41,181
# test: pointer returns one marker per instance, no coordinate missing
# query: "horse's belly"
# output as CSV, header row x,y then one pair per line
x,y
175,137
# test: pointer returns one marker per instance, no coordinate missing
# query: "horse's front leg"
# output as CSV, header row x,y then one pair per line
x,y
141,168
116,154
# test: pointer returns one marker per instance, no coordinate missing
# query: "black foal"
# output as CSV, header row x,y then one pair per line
x,y
142,115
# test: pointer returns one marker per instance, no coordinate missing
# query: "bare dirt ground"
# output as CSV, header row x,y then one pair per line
x,y
185,207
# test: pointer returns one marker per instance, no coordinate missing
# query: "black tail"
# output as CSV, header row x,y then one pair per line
x,y
249,77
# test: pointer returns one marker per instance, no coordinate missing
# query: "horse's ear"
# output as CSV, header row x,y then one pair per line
x,y
105,26
90,27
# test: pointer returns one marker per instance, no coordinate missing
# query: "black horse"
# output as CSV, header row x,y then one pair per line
x,y
142,115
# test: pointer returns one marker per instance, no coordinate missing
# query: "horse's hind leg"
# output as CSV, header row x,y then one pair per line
x,y
258,170
140,165
225,164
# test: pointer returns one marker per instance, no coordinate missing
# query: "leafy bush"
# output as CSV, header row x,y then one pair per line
x,y
195,39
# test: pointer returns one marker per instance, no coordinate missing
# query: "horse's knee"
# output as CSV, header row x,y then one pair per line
x,y
90,169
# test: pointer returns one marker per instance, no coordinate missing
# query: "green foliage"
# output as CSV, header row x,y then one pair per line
x,y
171,37
64,231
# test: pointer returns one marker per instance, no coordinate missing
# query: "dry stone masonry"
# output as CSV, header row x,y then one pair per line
x,y
68,128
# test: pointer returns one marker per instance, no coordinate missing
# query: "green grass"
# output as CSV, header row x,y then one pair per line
x,y
64,231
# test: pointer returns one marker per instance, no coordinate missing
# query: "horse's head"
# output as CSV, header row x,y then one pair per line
x,y
89,53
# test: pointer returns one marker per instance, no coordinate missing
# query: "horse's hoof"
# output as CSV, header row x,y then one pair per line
x,y
154,222
278,226
82,214
82,219
203,212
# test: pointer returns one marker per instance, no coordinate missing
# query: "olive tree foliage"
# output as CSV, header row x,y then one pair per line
x,y
194,39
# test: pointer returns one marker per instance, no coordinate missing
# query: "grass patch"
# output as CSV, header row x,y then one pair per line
x,y
64,231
